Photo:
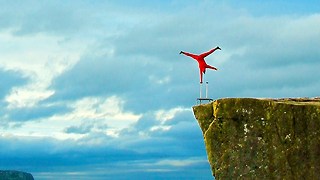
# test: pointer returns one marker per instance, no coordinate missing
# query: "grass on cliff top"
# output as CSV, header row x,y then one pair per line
x,y
298,101
293,101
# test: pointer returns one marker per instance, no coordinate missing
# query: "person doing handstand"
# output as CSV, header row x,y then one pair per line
x,y
202,63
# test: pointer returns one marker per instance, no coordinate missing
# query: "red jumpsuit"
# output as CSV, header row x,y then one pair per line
x,y
202,63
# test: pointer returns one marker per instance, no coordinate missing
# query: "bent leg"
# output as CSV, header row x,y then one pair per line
x,y
211,67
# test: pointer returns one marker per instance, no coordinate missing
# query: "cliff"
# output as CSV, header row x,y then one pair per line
x,y
15,175
249,138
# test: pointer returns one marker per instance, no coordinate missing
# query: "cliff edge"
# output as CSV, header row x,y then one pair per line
x,y
250,138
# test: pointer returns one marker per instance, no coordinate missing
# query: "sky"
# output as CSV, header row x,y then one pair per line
x,y
98,89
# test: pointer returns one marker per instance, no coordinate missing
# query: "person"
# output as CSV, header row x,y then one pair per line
x,y
202,63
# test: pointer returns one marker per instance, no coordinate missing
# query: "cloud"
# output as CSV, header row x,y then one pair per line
x,y
102,90
132,70
49,17
272,60
37,112
50,152
81,129
139,80
285,40
51,155
96,76
10,79
170,130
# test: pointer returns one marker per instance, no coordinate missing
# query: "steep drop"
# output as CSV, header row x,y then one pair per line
x,y
250,138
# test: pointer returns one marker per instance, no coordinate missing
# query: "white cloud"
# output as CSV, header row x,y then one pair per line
x,y
159,80
95,114
166,115
180,163
109,110
40,58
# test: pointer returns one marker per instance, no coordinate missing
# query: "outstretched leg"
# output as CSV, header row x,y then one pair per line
x,y
189,54
203,55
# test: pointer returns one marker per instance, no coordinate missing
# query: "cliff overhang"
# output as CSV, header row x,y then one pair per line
x,y
262,138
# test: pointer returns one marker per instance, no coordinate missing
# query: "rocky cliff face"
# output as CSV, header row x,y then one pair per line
x,y
262,138
15,175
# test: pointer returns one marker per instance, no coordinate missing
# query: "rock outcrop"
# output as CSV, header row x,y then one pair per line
x,y
249,138
15,175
